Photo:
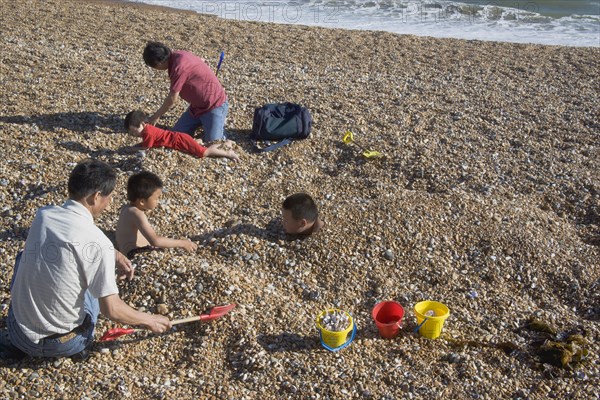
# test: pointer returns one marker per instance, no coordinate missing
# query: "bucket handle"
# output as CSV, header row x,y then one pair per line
x,y
342,346
420,325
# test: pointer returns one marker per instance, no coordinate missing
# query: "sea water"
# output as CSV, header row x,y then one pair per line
x,y
568,22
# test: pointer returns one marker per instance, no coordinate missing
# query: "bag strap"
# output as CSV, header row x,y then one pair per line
x,y
272,147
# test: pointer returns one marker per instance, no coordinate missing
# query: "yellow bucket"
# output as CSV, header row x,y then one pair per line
x,y
432,327
335,340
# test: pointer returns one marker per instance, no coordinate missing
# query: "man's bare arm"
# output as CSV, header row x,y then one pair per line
x,y
116,310
169,101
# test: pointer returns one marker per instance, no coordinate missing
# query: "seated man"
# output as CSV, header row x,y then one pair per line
x,y
66,274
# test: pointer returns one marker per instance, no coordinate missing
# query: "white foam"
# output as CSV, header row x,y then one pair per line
x,y
433,18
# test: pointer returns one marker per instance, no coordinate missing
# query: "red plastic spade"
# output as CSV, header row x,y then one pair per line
x,y
210,315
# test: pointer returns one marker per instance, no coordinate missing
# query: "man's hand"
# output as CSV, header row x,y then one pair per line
x,y
169,101
116,310
124,267
158,323
153,119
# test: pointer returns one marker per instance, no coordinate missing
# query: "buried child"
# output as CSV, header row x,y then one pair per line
x,y
300,216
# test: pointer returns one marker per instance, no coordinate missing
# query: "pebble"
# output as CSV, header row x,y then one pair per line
x,y
388,255
314,295
580,375
453,358
162,309
335,321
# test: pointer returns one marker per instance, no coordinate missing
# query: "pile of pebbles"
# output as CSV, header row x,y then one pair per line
x,y
335,320
487,200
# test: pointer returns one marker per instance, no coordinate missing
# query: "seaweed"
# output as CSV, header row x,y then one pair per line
x,y
541,326
563,354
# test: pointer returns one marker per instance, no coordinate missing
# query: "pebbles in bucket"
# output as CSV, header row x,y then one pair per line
x,y
335,321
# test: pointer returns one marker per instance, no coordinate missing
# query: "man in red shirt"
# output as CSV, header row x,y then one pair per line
x,y
194,81
157,137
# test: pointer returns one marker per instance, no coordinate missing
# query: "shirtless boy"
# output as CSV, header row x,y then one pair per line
x,y
134,233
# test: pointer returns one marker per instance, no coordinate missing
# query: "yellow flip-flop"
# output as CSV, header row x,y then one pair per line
x,y
349,138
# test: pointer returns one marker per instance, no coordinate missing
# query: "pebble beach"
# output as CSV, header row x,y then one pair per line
x,y
487,199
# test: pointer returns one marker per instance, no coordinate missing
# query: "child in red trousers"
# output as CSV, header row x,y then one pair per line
x,y
157,137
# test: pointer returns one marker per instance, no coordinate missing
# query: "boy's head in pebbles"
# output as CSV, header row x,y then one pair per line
x,y
144,190
300,214
135,122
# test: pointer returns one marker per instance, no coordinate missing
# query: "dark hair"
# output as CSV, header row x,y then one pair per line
x,y
90,176
135,118
142,185
155,53
302,206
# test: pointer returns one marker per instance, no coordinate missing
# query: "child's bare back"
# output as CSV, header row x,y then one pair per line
x,y
128,234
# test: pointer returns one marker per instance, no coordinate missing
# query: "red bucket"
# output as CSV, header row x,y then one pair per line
x,y
388,318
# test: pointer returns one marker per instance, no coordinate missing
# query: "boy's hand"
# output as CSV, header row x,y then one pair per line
x,y
131,149
188,245
224,149
232,155
228,147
